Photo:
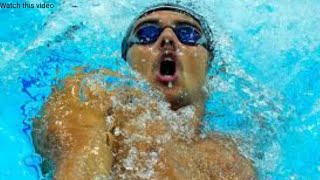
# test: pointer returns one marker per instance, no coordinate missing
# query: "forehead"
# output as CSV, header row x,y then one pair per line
x,y
168,17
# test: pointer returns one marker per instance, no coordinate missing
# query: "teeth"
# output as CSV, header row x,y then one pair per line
x,y
170,84
168,59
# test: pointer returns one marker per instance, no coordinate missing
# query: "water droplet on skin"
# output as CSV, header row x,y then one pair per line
x,y
205,89
109,121
72,91
117,131
95,150
179,52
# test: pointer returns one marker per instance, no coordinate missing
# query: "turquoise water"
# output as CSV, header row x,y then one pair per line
x,y
268,95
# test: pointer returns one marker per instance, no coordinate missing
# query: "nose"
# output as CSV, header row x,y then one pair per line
x,y
168,40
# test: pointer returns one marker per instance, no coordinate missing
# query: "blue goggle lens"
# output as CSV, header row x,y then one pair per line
x,y
148,34
186,34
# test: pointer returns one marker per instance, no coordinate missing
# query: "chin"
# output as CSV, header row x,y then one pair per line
x,y
177,100
175,95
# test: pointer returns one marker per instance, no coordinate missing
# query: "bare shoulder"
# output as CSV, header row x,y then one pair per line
x,y
79,102
81,92
72,122
221,153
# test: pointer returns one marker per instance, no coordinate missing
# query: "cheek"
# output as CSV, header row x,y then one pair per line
x,y
196,66
140,59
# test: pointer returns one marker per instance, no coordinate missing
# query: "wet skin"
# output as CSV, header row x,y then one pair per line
x,y
74,135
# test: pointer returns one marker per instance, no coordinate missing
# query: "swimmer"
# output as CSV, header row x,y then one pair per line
x,y
89,132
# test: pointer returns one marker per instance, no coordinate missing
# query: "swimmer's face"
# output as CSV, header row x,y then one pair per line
x,y
177,69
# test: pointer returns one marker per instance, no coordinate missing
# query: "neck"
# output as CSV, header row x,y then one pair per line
x,y
198,115
199,110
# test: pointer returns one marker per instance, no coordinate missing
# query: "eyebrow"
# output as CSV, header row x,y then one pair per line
x,y
156,21
142,23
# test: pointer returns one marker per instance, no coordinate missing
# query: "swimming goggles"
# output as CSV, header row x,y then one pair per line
x,y
148,33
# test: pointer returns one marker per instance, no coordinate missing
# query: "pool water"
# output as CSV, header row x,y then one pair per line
x,y
264,83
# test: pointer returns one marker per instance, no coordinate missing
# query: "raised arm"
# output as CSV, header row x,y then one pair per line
x,y
72,131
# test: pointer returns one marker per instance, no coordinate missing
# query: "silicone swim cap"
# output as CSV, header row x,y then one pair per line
x,y
172,7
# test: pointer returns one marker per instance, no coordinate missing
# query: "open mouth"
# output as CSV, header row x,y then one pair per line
x,y
167,70
167,67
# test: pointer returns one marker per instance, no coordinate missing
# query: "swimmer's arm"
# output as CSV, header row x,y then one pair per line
x,y
72,133
88,155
